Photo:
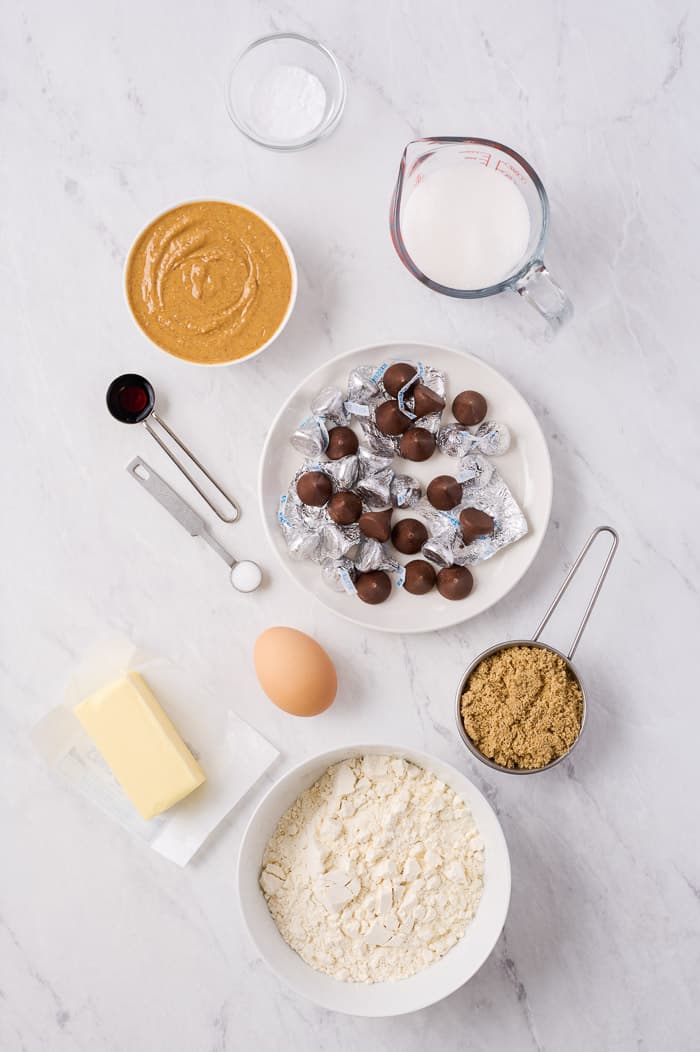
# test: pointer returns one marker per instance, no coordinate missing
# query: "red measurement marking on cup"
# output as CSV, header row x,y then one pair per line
x,y
480,156
511,170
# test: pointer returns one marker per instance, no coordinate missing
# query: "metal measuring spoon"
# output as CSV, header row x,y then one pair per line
x,y
246,576
534,642
132,400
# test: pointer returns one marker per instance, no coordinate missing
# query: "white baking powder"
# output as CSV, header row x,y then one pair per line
x,y
288,103
375,871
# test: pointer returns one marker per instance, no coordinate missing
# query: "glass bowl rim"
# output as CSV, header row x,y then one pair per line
x,y
322,130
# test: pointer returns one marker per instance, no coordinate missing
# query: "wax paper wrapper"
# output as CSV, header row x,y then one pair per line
x,y
231,752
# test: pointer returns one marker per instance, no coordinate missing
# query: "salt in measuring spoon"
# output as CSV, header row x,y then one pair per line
x,y
534,642
246,575
132,400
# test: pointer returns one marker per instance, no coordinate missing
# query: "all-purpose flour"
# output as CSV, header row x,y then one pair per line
x,y
375,871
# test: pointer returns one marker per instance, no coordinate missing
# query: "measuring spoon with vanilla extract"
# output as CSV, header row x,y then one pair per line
x,y
132,400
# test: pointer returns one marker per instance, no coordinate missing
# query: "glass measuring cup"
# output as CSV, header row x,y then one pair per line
x,y
534,642
529,277
132,400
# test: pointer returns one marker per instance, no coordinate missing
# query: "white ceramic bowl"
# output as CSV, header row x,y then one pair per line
x,y
292,299
374,999
526,467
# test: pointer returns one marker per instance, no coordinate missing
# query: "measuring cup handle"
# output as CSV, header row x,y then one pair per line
x,y
567,581
541,291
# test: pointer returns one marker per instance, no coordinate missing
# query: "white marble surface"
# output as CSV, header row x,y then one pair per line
x,y
111,112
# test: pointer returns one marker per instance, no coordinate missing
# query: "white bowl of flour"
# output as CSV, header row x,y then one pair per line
x,y
374,879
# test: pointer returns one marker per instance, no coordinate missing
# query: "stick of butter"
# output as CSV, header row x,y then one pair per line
x,y
146,754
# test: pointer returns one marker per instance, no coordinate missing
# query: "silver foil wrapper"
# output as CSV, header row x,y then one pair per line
x,y
339,575
372,555
343,552
495,498
431,423
439,521
330,405
375,440
311,437
302,537
375,478
379,444
370,463
375,490
405,491
482,488
302,545
454,440
439,548
490,438
293,511
337,541
309,532
443,527
434,379
476,470
327,410
487,491
344,472
429,377
363,385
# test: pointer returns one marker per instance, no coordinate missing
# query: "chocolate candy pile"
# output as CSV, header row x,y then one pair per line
x,y
340,506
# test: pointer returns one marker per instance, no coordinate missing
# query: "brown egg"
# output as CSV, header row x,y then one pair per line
x,y
294,671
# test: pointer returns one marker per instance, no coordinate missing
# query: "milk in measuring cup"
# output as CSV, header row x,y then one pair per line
x,y
466,226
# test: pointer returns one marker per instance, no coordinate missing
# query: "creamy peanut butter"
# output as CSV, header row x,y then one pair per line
x,y
209,282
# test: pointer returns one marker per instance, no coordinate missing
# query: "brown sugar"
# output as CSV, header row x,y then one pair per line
x,y
523,707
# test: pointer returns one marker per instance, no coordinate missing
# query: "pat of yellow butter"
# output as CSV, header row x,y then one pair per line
x,y
139,742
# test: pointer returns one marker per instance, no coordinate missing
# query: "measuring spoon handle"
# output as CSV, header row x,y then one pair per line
x,y
178,508
218,548
567,581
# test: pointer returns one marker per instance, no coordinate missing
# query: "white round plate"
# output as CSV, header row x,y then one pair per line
x,y
526,468
436,981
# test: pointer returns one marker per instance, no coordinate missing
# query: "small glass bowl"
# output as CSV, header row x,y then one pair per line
x,y
258,62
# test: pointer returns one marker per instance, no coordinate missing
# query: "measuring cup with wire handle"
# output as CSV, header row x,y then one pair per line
x,y
535,642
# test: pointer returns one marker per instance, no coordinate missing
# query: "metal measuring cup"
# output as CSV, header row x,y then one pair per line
x,y
534,642
132,400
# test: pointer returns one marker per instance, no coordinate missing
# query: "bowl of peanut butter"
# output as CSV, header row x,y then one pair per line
x,y
211,282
